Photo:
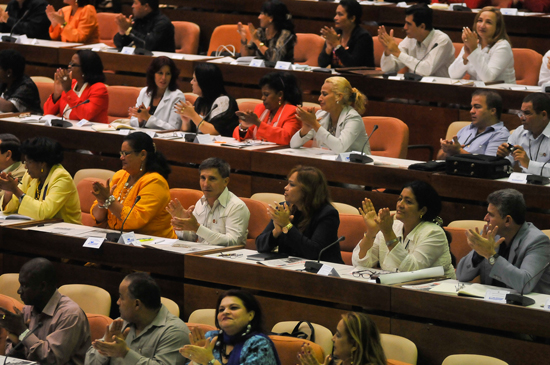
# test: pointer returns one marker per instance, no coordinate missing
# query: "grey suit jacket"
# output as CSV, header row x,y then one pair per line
x,y
529,252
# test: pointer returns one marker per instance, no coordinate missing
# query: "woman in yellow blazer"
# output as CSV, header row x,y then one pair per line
x,y
76,22
143,175
47,190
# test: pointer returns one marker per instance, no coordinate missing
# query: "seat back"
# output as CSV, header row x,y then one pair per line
x,y
288,349
87,199
459,244
190,97
125,97
379,49
9,284
546,232
203,316
458,48
107,28
36,79
268,198
468,224
472,359
352,227
391,139
187,37
45,89
527,66
323,336
258,220
8,303
99,174
343,208
187,197
172,306
204,327
454,127
307,104
307,49
91,298
98,324
246,104
224,35
399,348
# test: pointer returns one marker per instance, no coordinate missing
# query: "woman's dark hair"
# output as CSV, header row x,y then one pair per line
x,y
91,66
354,9
285,82
42,149
250,303
282,19
155,67
426,196
11,59
155,162
365,337
210,81
315,193
82,3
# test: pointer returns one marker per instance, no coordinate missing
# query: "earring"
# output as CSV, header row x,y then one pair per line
x,y
280,102
337,101
41,170
248,328
141,167
421,215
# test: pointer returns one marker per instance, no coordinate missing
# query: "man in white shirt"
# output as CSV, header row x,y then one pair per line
x,y
425,51
531,140
10,157
219,217
486,132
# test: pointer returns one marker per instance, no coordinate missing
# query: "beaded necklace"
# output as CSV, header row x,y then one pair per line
x,y
126,190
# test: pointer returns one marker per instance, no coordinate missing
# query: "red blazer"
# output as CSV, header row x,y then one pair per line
x,y
94,111
284,125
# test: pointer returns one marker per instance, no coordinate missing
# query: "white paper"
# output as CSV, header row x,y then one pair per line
x,y
518,178
94,242
497,296
257,62
129,238
401,277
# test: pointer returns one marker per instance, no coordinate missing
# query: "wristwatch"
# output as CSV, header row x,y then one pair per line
x,y
493,259
24,334
287,228
262,44
337,47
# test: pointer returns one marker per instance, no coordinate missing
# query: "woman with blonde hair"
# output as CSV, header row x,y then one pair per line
x,y
487,52
338,125
356,341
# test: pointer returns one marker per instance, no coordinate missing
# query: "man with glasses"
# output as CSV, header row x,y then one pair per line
x,y
529,145
486,132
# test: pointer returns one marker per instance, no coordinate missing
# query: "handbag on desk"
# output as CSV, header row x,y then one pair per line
x,y
480,166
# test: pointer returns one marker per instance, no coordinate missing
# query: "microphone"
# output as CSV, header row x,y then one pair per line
x,y
519,299
190,137
114,237
538,179
413,76
10,38
278,52
20,343
362,158
312,266
140,50
63,123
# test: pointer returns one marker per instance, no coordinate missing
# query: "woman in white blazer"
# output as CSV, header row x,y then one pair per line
x,y
155,103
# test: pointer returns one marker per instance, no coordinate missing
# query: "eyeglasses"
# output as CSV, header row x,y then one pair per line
x,y
522,114
125,153
365,274
72,64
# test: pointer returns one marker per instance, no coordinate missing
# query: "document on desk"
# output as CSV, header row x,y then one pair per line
x,y
401,277
178,246
67,229
15,361
313,152
290,263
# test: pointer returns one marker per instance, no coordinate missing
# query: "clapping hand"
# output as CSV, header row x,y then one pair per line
x,y
307,117
280,214
114,343
102,192
200,351
330,35
470,40
484,243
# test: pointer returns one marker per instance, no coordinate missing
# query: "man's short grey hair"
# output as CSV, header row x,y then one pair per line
x,y
509,202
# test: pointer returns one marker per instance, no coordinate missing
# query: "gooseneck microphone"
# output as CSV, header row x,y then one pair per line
x,y
20,343
519,299
10,38
361,157
63,123
314,266
413,76
114,237
190,137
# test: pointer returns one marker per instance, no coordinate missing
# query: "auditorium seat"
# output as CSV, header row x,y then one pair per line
x,y
190,97
121,98
8,303
187,197
36,79
172,306
391,139
246,104
465,359
258,221
187,37
204,327
225,35
527,66
343,208
101,174
288,349
458,48
9,285
87,199
204,316
352,227
268,198
454,127
307,49
459,245
107,28
91,298
379,49
98,324
468,224
323,336
399,348
545,231
45,89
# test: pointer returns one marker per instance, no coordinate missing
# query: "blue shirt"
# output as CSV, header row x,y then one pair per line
x,y
537,149
256,350
485,143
